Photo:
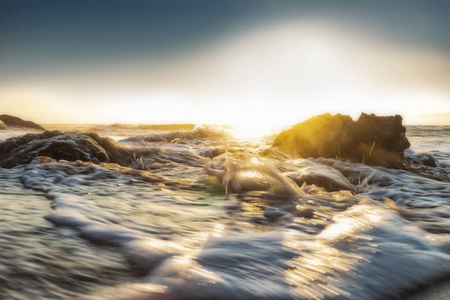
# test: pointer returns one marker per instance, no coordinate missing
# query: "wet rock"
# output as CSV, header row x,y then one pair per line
x,y
305,212
18,122
423,159
57,145
371,139
273,213
329,178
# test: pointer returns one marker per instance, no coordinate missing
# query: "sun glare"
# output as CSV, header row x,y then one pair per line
x,y
256,126
257,81
250,131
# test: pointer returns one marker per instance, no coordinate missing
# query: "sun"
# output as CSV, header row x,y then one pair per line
x,y
256,126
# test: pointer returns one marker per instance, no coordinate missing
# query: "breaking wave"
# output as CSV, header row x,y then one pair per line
x,y
201,215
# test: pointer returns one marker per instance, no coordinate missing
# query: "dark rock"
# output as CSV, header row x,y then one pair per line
x,y
57,145
423,159
273,213
329,178
307,213
18,122
371,139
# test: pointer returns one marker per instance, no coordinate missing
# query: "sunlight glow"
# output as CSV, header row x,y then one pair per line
x,y
256,81
249,174
337,229
308,274
149,287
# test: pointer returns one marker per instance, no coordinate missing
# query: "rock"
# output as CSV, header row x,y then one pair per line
x,y
18,122
329,178
250,173
371,139
57,145
423,159
273,213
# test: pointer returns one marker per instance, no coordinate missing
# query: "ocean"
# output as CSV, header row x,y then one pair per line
x,y
201,214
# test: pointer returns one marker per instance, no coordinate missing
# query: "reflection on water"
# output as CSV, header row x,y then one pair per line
x,y
39,261
205,218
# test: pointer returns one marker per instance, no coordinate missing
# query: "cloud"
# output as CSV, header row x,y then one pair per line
x,y
285,70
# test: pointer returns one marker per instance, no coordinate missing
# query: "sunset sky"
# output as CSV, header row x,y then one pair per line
x,y
255,63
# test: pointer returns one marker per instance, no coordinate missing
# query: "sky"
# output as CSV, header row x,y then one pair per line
x,y
253,64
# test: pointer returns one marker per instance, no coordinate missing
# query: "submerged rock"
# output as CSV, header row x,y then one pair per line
x,y
371,139
18,122
57,145
423,159
329,178
251,173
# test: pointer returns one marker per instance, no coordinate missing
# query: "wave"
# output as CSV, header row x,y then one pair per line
x,y
355,254
355,257
214,218
90,147
58,145
199,132
119,126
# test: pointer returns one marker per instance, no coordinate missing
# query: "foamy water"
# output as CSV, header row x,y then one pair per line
x,y
203,215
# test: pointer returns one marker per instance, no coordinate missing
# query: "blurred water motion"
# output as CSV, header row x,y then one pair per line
x,y
250,229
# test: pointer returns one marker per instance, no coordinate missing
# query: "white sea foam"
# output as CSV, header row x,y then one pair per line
x,y
356,256
214,218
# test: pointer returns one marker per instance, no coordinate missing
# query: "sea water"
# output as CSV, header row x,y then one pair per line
x,y
205,215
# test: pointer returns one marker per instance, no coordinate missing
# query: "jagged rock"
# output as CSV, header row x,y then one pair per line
x,y
18,122
57,145
371,139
